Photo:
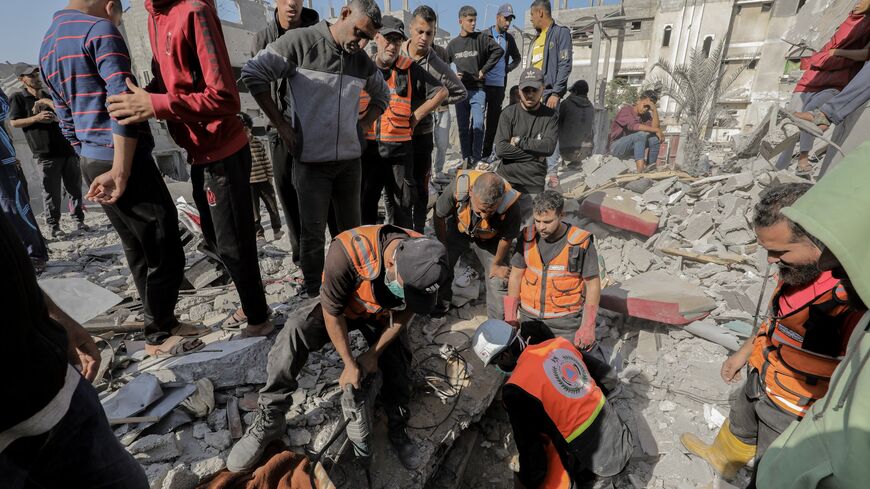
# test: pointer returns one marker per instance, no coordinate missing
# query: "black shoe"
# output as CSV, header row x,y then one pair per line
x,y
405,448
56,231
81,226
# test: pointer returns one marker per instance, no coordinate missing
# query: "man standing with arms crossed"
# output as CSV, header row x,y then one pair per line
x,y
474,55
496,78
552,53
326,71
419,48
289,14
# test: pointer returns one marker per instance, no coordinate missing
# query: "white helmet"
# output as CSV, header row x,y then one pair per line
x,y
491,338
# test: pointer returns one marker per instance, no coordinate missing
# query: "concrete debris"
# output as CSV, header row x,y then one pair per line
x,y
180,477
618,208
658,296
225,363
155,448
606,167
80,298
708,330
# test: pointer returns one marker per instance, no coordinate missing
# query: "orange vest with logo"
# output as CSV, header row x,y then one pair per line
x,y
394,125
362,245
554,373
464,182
557,477
794,377
552,290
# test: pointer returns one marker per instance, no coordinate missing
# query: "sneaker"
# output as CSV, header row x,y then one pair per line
x,y
277,235
56,231
261,236
269,425
81,226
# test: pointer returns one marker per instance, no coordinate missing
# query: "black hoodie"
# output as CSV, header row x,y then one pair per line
x,y
576,121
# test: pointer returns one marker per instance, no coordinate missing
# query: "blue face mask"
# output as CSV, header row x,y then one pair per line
x,y
394,287
499,370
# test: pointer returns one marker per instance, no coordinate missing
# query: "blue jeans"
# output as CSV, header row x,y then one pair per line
x,y
635,145
470,117
851,98
15,205
80,451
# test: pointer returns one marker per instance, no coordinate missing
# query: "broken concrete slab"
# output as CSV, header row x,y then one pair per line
x,y
618,208
225,363
658,296
80,298
610,167
708,330
132,398
696,226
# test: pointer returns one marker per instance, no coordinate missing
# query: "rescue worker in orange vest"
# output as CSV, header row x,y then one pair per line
x,y
478,210
388,159
555,276
796,349
565,430
375,279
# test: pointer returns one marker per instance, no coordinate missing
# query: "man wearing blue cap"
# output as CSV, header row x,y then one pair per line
x,y
496,78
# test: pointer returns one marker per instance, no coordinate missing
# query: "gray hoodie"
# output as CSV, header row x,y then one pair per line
x,y
435,65
323,93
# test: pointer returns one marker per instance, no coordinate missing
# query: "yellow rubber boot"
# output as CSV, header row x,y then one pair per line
x,y
726,455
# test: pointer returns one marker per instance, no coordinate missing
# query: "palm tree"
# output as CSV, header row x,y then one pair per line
x,y
695,88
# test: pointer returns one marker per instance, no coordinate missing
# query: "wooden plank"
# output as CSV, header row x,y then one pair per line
x,y
135,419
698,257
234,420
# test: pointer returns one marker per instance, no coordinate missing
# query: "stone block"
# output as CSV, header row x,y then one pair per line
x,y
225,363
219,439
697,226
208,467
658,296
739,181
609,168
618,208
180,477
155,448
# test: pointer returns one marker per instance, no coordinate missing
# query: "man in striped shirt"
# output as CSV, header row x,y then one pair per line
x,y
261,182
84,59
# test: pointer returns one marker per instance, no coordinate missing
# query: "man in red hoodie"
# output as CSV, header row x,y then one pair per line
x,y
194,91
827,72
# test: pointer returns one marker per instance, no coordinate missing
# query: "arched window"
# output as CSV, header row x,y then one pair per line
x,y
666,38
708,43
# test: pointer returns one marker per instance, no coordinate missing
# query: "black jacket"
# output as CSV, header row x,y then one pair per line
x,y
514,57
472,54
524,165
576,122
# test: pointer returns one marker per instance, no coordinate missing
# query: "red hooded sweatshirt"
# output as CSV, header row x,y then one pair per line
x,y
825,71
194,88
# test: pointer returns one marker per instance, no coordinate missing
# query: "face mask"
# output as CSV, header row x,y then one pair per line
x,y
499,370
395,288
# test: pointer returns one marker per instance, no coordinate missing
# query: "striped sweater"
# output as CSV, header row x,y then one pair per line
x,y
83,60
261,167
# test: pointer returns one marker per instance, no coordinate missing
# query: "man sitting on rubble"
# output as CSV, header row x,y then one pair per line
x,y
375,279
795,351
635,131
565,431
554,275
477,210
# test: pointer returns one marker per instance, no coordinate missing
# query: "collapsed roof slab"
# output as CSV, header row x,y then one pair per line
x,y
619,208
658,296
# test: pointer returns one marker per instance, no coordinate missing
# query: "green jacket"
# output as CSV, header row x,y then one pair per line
x,y
830,447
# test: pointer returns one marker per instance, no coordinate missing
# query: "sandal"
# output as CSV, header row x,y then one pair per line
x,y
236,321
175,346
811,127
190,330
264,329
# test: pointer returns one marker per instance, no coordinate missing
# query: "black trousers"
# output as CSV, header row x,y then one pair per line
x,y
222,192
387,176
494,99
146,220
263,191
424,144
305,332
56,171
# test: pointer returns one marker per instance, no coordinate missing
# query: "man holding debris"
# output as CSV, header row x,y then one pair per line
x,y
794,354
32,110
526,136
194,90
376,278
388,160
86,61
565,430
289,14
477,211
554,275
319,122
635,131
474,54
420,49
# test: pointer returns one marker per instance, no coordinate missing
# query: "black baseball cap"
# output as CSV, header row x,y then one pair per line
x,y
26,70
532,77
422,264
392,25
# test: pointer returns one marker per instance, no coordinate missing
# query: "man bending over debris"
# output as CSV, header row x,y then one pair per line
x,y
793,355
375,279
635,129
565,430
554,275
55,434
477,210
85,60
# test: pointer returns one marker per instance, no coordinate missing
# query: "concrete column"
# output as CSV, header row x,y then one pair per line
x,y
603,86
596,54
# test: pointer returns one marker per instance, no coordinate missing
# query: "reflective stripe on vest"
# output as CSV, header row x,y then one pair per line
x,y
794,377
462,195
394,125
554,373
552,291
362,245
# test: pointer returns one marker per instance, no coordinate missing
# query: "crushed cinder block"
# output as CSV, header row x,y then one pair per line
x,y
610,167
696,226
180,477
225,363
618,208
658,296
647,350
708,330
155,448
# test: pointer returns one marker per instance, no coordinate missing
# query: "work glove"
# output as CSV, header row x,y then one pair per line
x,y
511,304
409,192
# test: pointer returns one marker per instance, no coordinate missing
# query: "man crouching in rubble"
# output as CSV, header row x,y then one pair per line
x,y
793,355
375,279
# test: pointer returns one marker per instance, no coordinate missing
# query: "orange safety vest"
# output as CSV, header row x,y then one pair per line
x,y
552,290
362,245
557,477
794,377
394,125
464,182
554,373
